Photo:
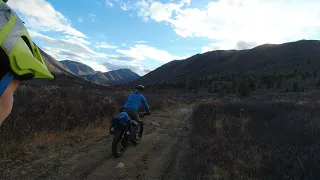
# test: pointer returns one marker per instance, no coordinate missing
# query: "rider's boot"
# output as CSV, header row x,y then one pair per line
x,y
136,130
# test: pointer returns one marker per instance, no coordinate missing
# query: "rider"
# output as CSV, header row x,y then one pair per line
x,y
20,58
134,101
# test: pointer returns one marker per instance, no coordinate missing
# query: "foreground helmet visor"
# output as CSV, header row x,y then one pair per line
x,y
24,56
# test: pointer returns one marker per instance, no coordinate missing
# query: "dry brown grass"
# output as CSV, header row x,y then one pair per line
x,y
53,110
42,137
44,113
48,137
257,140
47,114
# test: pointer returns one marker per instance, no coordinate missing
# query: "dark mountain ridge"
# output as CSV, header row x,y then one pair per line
x,y
264,59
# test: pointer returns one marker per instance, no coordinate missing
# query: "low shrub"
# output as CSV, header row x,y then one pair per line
x,y
257,140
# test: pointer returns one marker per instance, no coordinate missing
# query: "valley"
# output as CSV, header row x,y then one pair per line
x,y
250,114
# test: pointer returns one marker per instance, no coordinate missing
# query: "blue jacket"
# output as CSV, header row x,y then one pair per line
x,y
134,101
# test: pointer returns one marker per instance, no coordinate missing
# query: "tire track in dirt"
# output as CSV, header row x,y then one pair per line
x,y
155,156
91,158
69,162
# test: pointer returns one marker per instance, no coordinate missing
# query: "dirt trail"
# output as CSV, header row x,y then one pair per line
x,y
158,156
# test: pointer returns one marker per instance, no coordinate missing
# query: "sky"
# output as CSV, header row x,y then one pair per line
x,y
145,34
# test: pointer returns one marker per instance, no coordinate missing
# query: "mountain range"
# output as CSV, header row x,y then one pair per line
x,y
54,66
78,68
82,72
115,77
268,59
303,55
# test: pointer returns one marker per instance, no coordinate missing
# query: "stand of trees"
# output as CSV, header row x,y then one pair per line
x,y
239,83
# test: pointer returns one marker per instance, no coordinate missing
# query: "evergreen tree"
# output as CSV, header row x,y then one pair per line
x,y
295,87
225,86
210,89
244,89
315,73
221,92
279,85
252,86
318,84
259,85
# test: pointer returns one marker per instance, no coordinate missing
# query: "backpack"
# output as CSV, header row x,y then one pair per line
x,y
121,118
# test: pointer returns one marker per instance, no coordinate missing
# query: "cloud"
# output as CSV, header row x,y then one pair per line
x,y
133,52
174,40
233,22
112,66
154,9
142,52
108,4
92,16
223,45
74,39
69,43
80,19
245,45
101,36
120,58
140,42
41,16
72,48
96,65
62,54
137,68
124,7
147,70
104,45
157,10
144,11
163,12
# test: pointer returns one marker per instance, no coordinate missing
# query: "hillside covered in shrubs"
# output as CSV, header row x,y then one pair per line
x,y
256,140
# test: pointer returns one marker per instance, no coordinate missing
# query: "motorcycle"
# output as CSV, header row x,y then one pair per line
x,y
123,129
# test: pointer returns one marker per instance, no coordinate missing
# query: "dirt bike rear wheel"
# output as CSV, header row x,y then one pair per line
x,y
116,143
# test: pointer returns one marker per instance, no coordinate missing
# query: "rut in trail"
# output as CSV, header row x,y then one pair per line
x,y
83,156
155,156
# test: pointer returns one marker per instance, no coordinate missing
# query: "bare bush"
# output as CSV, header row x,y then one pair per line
x,y
52,109
258,140
55,109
